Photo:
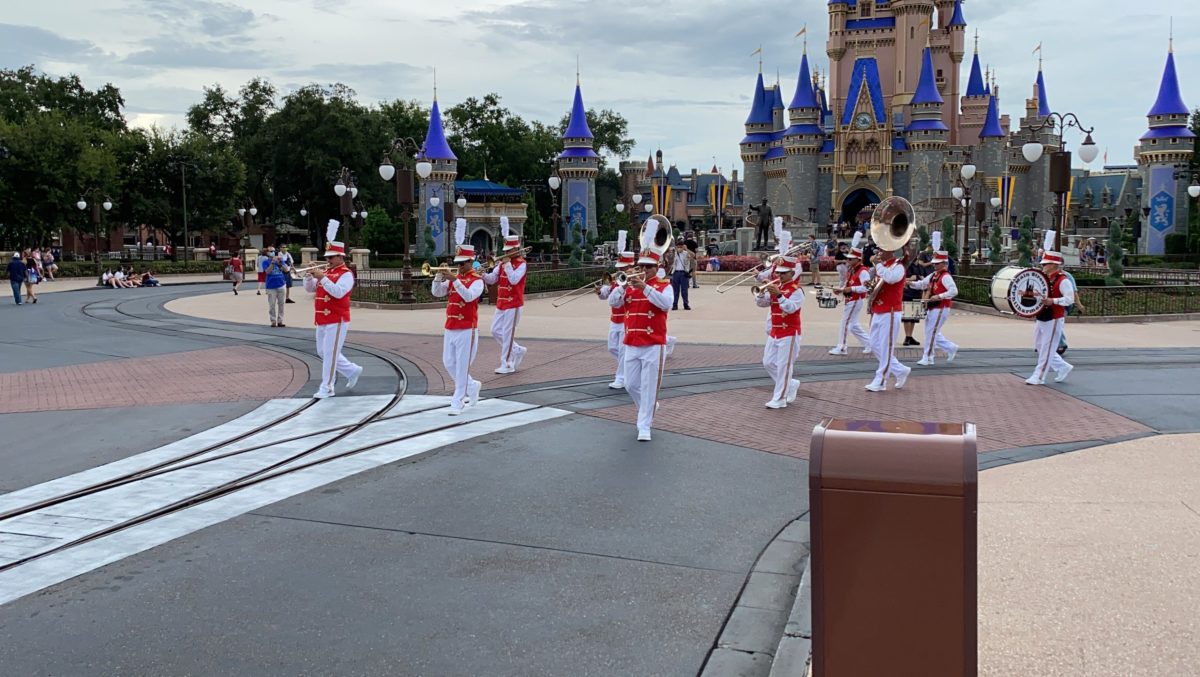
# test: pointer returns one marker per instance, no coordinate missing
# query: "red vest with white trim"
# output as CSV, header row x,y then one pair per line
x,y
328,309
853,280
938,286
645,323
617,315
784,325
891,297
459,313
511,295
1056,281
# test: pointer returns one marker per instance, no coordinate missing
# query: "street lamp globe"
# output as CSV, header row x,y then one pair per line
x,y
957,192
303,212
107,204
967,171
1194,190
964,203
386,169
1088,150
620,208
461,202
424,169
339,188
364,213
354,215
648,207
637,199
435,201
254,211
241,211
1032,151
353,191
554,182
995,203
82,204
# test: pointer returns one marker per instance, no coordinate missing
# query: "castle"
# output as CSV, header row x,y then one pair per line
x,y
893,119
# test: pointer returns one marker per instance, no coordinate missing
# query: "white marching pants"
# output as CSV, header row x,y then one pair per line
x,y
330,338
850,325
885,327
643,371
1045,339
935,321
458,352
779,358
616,348
504,329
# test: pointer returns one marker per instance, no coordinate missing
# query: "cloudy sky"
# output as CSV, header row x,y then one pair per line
x,y
679,70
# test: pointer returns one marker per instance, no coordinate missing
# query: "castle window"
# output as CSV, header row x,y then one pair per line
x,y
865,10
900,77
912,33
939,75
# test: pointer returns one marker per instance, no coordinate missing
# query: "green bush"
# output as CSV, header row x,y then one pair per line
x,y
1176,243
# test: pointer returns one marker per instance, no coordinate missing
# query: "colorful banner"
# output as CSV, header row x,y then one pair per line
x,y
1163,188
435,217
576,211
662,197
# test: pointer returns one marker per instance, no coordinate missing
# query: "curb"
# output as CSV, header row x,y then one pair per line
x,y
793,657
749,643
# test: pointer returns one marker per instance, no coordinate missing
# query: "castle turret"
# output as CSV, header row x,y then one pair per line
x,y
578,166
974,103
1166,143
802,142
440,184
756,142
989,157
926,135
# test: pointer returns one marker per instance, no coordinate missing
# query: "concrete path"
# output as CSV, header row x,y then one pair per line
x,y
1089,562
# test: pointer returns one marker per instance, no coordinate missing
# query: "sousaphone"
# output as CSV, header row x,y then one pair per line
x,y
893,224
664,238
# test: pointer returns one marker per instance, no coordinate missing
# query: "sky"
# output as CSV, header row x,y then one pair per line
x,y
680,71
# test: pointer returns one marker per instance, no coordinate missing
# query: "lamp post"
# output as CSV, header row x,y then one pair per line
x,y
307,222
554,182
1060,162
183,167
346,189
414,154
1193,192
107,204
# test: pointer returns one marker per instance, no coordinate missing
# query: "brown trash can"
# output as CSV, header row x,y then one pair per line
x,y
894,554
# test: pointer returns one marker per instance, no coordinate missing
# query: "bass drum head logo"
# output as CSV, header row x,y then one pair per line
x,y
1026,291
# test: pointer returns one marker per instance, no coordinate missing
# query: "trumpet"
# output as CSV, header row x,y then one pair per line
x,y
307,270
574,293
762,289
624,278
494,261
802,248
428,270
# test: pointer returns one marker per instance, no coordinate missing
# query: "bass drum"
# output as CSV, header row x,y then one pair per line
x,y
1019,291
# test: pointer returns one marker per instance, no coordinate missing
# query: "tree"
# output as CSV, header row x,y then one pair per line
x,y
923,238
241,124
490,140
1115,255
381,234
949,241
1025,244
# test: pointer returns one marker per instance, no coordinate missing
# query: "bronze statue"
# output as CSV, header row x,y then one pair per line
x,y
766,217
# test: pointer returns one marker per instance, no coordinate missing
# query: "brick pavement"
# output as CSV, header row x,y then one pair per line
x,y
1001,405
556,360
212,375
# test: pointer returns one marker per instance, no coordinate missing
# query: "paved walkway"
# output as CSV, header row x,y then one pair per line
x,y
730,319
1089,562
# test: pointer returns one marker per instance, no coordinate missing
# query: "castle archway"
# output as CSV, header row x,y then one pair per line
x,y
855,201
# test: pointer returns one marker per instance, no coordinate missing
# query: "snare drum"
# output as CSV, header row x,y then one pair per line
x,y
914,311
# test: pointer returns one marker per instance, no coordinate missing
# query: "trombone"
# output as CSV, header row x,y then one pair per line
x,y
494,261
802,248
574,293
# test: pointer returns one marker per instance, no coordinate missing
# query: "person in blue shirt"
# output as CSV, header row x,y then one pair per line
x,y
16,275
275,269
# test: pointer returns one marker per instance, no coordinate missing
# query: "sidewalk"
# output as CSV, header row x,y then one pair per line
x,y
77,283
730,318
1089,562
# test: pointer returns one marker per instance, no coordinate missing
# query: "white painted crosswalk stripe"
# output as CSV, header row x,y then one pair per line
x,y
420,428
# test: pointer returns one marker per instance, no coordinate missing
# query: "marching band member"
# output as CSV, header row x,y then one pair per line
x,y
461,340
1049,322
784,296
886,313
616,327
646,303
855,293
332,314
509,301
941,289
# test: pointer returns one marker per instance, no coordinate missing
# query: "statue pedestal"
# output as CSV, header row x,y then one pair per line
x,y
308,255
745,240
250,261
199,254
361,258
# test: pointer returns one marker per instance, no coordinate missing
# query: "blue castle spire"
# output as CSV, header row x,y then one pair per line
x,y
577,128
805,96
927,91
957,19
436,147
1170,101
760,111
975,86
1043,104
991,126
